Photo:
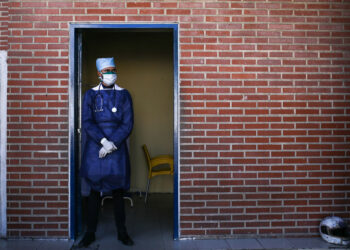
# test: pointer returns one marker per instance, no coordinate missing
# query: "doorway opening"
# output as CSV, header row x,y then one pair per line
x,y
146,60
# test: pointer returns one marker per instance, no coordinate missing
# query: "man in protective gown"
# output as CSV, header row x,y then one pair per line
x,y
107,121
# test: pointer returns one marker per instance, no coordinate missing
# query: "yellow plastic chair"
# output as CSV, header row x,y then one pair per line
x,y
154,166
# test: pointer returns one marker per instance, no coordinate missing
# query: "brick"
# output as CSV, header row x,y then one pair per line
x,y
70,11
60,18
113,4
86,18
46,11
151,11
178,12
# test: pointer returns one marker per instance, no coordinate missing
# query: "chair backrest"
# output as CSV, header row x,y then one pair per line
x,y
145,150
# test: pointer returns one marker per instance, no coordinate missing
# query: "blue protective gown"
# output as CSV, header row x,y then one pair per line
x,y
112,171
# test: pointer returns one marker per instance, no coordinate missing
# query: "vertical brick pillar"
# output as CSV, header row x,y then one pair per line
x,y
4,18
37,121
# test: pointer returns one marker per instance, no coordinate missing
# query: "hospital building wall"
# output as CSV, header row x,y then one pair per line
x,y
264,112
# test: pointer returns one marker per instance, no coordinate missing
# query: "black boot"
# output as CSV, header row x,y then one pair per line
x,y
125,239
88,238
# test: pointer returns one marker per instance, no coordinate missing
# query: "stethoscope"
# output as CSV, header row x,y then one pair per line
x,y
99,100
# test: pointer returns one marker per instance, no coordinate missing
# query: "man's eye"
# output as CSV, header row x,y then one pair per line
x,y
109,70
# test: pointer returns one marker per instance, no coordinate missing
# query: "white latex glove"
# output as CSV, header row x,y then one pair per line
x,y
108,145
102,152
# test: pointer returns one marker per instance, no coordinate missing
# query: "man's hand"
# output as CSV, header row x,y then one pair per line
x,y
102,153
108,145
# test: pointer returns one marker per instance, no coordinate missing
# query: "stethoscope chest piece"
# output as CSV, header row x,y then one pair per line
x,y
99,101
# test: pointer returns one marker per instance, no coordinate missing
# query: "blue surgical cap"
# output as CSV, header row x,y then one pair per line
x,y
102,63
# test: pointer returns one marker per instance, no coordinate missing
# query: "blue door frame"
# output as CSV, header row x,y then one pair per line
x,y
74,30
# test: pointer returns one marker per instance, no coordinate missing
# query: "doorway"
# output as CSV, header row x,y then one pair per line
x,y
146,59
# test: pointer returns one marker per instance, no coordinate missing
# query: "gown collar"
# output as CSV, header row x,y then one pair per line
x,y
116,87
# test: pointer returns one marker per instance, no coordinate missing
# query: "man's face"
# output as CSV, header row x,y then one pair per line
x,y
107,70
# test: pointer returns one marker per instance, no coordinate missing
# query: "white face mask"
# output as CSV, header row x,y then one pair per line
x,y
109,79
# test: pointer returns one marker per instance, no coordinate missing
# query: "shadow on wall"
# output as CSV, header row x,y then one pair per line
x,y
144,62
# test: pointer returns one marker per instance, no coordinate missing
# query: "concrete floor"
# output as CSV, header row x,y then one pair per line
x,y
151,228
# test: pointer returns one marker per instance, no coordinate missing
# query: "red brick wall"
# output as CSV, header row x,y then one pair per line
x,y
3,24
265,127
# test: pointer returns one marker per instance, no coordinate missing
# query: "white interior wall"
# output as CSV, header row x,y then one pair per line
x,y
3,139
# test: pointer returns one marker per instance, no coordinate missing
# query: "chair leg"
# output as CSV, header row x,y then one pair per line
x,y
103,199
148,183
130,199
